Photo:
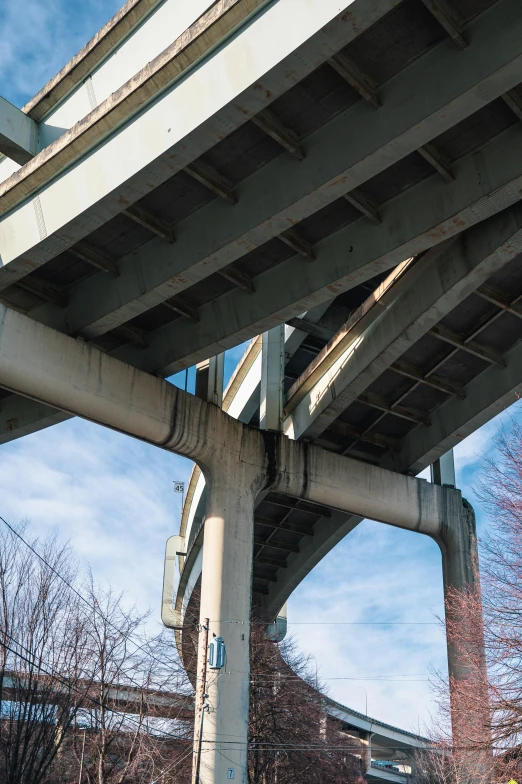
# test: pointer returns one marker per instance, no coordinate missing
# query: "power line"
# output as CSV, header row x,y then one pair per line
x,y
363,623
85,601
70,685
343,623
79,595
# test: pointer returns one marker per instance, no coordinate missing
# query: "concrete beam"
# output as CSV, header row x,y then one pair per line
x,y
76,378
285,191
18,133
41,363
417,301
490,393
20,416
417,220
235,83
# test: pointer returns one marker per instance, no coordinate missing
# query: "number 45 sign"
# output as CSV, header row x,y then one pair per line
x,y
179,487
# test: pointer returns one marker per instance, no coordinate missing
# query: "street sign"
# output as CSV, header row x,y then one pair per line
x,y
179,487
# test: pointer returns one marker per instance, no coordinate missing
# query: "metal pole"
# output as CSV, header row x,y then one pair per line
x,y
198,759
366,696
201,701
81,761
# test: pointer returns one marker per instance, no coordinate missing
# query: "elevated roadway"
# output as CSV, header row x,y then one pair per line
x,y
285,174
181,187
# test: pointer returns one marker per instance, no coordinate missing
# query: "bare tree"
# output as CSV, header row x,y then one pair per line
x,y
490,719
87,696
84,693
290,737
444,765
42,656
136,724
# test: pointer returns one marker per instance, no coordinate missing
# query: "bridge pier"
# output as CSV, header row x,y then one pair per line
x,y
226,599
238,462
466,657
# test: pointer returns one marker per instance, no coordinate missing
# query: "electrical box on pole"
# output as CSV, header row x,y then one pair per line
x,y
216,653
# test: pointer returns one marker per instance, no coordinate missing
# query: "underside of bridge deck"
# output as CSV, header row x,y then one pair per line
x,y
358,180
346,174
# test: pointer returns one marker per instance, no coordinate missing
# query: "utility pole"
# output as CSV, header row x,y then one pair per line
x,y
198,725
83,754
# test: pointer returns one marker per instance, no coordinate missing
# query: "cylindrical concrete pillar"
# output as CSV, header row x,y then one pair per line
x,y
464,627
226,588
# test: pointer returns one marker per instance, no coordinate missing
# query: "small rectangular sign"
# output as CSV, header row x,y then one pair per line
x,y
231,773
179,487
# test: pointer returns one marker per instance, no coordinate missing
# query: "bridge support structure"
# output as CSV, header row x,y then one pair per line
x,y
239,462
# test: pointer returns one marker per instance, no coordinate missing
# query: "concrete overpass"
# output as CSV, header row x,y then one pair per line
x,y
386,752
181,186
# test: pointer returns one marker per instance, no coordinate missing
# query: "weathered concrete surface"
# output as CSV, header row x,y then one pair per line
x,y
423,295
18,133
415,221
71,375
130,14
174,129
238,462
286,191
490,393
121,105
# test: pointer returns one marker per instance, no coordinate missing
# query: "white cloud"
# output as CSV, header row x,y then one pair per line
x,y
377,573
109,495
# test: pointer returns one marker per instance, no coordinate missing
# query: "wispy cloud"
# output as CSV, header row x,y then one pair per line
x,y
109,495
39,38
376,574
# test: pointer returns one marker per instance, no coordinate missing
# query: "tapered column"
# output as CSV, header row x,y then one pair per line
x,y
209,379
464,626
365,739
272,374
226,588
443,470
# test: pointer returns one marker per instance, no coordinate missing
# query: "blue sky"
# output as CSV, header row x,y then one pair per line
x,y
112,497
40,36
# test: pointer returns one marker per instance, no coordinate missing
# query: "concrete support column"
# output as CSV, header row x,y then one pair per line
x,y
443,470
365,738
458,543
226,587
272,374
209,379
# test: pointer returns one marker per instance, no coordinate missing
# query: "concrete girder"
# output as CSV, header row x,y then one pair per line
x,y
151,143
285,191
20,416
239,462
415,221
18,133
73,376
490,393
417,301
